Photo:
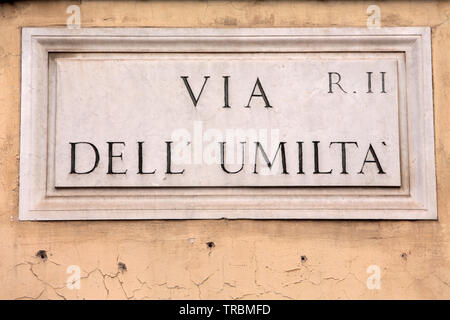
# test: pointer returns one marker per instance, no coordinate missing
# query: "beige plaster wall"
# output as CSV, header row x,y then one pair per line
x,y
250,259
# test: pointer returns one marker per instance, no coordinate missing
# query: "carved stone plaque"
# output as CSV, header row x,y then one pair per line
x,y
236,123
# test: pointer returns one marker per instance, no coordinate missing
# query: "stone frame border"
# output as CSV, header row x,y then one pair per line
x,y
39,201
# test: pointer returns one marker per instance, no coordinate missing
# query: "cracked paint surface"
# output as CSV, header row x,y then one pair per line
x,y
249,259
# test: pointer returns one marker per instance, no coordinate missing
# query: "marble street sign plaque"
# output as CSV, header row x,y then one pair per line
x,y
226,123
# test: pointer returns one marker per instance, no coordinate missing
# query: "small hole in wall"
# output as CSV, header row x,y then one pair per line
x,y
303,258
210,244
122,266
42,254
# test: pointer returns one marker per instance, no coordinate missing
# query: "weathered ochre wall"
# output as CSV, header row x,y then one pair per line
x,y
250,259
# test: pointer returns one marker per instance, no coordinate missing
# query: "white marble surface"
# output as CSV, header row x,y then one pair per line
x,y
130,98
